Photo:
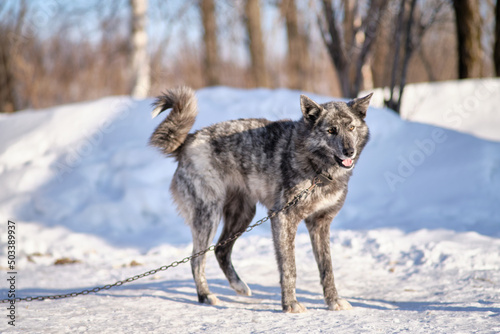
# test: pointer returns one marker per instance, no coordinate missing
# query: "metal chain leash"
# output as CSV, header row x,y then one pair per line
x,y
301,195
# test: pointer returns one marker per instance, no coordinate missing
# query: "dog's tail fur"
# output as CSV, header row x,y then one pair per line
x,y
172,132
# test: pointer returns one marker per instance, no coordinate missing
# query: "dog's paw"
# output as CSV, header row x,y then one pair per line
x,y
241,289
210,299
340,304
294,307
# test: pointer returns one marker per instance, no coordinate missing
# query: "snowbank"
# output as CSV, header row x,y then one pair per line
x,y
415,245
469,106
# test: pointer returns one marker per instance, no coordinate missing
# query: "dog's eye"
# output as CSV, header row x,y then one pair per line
x,y
332,131
351,127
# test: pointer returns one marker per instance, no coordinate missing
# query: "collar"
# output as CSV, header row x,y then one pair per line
x,y
324,179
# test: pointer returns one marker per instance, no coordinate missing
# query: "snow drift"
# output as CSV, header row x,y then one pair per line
x,y
80,181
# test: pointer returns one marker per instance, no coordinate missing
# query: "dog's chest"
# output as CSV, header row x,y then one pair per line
x,y
324,200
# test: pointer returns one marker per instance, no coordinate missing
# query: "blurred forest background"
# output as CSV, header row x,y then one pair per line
x,y
55,51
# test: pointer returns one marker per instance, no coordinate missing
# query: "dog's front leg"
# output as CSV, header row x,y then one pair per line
x,y
319,231
284,230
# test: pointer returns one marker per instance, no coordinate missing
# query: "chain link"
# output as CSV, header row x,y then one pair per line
x,y
301,195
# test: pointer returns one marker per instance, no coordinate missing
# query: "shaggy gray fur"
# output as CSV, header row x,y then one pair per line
x,y
172,132
226,168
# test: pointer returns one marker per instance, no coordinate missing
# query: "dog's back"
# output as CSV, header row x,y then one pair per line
x,y
244,155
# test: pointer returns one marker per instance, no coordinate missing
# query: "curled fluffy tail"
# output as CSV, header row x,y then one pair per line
x,y
172,132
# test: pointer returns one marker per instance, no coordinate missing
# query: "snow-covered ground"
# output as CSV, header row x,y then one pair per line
x,y
416,247
469,106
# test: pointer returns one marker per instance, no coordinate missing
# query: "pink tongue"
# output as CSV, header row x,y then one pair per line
x,y
347,162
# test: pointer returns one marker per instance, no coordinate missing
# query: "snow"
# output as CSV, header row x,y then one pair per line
x,y
416,247
469,106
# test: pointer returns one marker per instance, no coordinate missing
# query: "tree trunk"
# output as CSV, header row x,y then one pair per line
x,y
409,48
496,49
350,10
10,38
255,44
370,25
139,53
398,33
470,51
211,61
336,48
350,47
298,55
7,99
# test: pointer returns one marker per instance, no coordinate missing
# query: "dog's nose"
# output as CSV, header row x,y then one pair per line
x,y
348,152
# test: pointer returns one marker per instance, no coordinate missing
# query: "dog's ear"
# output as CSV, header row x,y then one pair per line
x,y
360,105
310,109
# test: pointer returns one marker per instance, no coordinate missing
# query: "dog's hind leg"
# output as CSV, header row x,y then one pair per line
x,y
238,213
203,229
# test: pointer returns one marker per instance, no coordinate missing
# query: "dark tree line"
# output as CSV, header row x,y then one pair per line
x,y
350,29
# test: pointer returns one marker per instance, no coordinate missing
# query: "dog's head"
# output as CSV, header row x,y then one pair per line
x,y
337,131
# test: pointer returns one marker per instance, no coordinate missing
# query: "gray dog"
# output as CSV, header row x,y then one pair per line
x,y
226,168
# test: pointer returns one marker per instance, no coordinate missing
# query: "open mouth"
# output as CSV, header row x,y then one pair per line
x,y
346,163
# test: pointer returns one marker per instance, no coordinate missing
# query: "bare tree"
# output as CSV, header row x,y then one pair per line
x,y
211,61
411,29
399,71
496,48
10,34
255,43
139,60
298,55
470,51
349,44
7,84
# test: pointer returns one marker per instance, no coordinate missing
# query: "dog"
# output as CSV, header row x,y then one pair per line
x,y
226,168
